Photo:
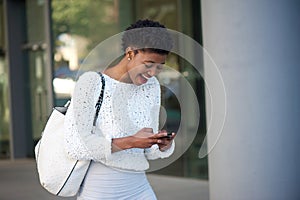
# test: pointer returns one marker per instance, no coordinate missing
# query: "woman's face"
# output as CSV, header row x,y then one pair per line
x,y
144,65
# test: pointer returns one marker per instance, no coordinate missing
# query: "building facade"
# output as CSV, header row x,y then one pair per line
x,y
255,45
42,43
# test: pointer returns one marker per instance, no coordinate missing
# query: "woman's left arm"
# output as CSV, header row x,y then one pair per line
x,y
157,151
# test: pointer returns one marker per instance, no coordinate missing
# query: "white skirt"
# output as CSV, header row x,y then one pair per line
x,y
102,182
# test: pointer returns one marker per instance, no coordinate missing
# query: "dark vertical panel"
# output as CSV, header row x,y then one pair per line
x,y
49,54
200,89
197,21
18,78
126,13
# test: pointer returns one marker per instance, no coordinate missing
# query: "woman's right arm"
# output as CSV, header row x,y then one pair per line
x,y
80,142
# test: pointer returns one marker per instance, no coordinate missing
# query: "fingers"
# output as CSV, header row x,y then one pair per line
x,y
163,135
160,138
144,133
164,141
173,135
159,135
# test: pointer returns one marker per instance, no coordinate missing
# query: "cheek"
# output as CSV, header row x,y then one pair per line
x,y
134,73
134,68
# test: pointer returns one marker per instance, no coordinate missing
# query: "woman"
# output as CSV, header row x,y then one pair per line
x,y
127,127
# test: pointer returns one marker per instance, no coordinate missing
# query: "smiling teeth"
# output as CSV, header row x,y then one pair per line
x,y
145,76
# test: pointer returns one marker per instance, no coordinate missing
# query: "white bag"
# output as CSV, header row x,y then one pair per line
x,y
59,174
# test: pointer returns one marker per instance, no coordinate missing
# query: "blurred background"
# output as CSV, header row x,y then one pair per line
x,y
255,44
48,40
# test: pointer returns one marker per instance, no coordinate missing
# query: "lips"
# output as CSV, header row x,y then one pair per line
x,y
144,78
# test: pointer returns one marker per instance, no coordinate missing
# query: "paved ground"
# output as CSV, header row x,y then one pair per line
x,y
19,181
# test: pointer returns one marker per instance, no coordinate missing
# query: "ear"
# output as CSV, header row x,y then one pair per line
x,y
130,52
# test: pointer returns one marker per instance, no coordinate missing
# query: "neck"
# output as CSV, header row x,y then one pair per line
x,y
119,71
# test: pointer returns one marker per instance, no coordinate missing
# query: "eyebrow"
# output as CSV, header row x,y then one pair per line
x,y
150,61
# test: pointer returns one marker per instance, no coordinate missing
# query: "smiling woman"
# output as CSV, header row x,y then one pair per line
x,y
146,45
127,133
138,67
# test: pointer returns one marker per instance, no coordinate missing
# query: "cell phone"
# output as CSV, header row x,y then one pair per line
x,y
168,136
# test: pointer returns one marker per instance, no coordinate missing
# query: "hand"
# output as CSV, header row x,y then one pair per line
x,y
144,138
165,141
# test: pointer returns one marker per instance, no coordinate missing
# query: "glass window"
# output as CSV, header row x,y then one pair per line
x,y
178,15
78,26
4,104
37,66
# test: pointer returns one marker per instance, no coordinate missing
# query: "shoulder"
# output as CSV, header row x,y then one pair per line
x,y
89,76
89,79
87,84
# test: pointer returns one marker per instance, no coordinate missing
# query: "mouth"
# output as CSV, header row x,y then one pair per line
x,y
146,77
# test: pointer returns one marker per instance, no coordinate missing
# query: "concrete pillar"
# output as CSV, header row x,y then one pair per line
x,y
256,45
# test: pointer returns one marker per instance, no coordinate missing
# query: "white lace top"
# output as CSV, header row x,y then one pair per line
x,y
126,108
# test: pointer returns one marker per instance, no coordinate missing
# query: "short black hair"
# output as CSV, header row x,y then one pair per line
x,y
148,35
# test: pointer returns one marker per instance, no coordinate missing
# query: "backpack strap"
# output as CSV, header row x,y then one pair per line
x,y
100,99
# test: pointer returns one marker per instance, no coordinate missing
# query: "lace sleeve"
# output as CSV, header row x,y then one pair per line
x,y
80,142
154,152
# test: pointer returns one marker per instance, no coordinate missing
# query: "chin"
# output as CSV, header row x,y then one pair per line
x,y
142,80
138,83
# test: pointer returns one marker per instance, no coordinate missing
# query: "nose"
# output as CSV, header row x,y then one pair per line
x,y
152,71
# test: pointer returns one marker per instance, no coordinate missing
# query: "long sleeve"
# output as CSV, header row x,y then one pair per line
x,y
124,111
154,152
80,142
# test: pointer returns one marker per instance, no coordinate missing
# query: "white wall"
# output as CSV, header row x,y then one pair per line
x,y
256,45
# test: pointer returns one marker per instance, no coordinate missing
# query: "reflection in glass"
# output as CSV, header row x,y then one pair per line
x,y
78,26
4,110
4,104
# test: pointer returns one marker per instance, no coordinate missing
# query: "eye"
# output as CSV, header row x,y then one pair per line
x,y
160,67
148,65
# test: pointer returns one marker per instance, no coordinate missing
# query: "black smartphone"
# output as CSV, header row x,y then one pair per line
x,y
168,136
